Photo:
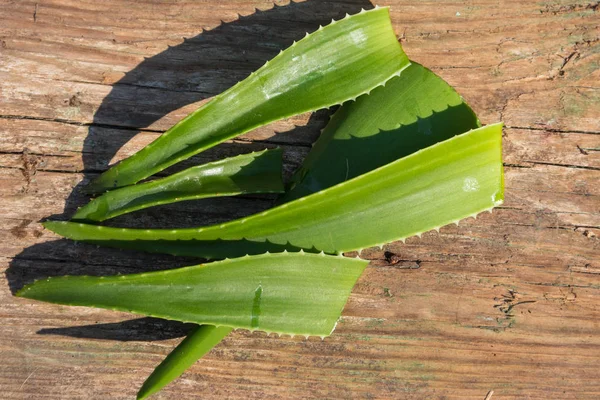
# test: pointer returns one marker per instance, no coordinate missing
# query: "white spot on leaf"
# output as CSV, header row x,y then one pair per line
x,y
358,37
470,184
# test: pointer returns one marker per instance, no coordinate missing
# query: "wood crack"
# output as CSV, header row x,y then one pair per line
x,y
77,123
563,165
553,130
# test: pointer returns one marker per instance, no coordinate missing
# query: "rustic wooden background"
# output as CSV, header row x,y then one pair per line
x,y
509,302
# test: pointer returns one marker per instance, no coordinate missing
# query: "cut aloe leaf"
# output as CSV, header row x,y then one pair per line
x,y
286,293
334,64
249,173
198,342
443,183
412,112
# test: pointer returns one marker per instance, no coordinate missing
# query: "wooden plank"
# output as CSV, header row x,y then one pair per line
x,y
508,302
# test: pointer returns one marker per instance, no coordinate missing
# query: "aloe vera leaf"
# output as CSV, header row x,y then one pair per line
x,y
286,293
198,342
248,173
443,183
411,112
312,74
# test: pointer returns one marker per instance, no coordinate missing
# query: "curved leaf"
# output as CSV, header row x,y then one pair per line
x,y
248,173
291,293
312,74
443,183
411,112
197,343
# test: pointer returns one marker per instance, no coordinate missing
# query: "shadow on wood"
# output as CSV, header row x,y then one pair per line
x,y
140,329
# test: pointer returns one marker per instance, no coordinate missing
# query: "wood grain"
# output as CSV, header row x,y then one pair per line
x,y
509,302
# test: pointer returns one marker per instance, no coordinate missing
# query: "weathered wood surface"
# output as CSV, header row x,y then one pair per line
x,y
509,302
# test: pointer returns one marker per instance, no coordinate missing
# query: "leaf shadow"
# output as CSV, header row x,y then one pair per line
x,y
139,329
198,68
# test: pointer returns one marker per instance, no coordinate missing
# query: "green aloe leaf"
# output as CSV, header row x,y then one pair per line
x,y
248,173
334,64
411,112
286,293
197,343
443,183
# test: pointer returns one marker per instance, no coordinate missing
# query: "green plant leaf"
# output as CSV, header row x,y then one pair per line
x,y
248,173
334,64
411,112
443,183
197,343
286,293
